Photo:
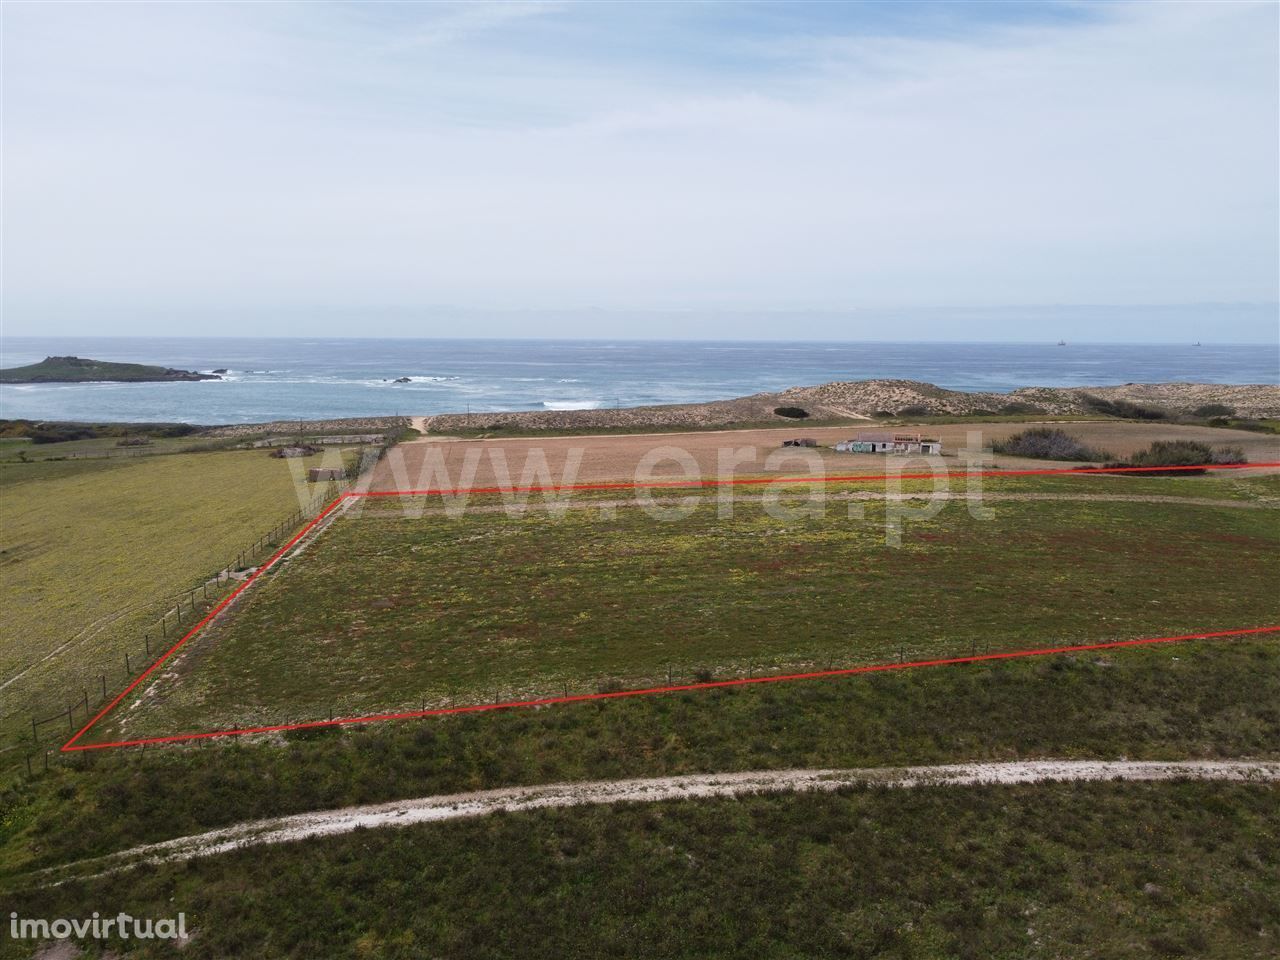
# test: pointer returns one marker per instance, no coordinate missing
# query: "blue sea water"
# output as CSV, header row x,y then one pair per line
x,y
322,378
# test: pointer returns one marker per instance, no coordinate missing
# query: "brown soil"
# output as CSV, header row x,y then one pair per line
x,y
430,464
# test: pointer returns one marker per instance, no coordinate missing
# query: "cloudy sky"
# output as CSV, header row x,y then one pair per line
x,y
955,171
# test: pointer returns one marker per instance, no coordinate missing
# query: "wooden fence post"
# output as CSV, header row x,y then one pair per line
x,y
128,667
104,686
29,764
35,738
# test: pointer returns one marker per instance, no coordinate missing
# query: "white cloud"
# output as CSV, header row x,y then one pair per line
x,y
222,155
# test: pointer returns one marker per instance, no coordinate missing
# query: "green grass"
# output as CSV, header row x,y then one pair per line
x,y
1216,485
104,448
385,614
94,551
1205,699
1105,870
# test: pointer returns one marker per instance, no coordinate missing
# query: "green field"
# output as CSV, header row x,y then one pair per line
x,y
94,551
385,610
1058,870
1069,850
385,613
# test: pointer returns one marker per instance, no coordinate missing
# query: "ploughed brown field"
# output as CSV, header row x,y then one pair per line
x,y
479,463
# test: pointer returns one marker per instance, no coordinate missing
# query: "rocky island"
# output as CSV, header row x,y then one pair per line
x,y
81,370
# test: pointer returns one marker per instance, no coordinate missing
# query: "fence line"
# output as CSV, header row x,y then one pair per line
x,y
172,619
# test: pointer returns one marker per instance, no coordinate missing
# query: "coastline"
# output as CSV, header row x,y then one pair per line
x,y
839,402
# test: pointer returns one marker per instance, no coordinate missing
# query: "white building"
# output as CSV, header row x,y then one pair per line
x,y
890,443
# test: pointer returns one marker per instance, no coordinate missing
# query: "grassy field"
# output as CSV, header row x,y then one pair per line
x,y
1206,699
1225,485
94,551
1105,870
1101,870
386,613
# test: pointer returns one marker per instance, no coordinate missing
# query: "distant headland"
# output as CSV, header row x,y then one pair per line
x,y
80,370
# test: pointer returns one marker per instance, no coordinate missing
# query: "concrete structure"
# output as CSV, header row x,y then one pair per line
x,y
890,443
800,442
321,474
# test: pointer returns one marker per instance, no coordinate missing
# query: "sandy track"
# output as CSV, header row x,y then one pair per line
x,y
404,813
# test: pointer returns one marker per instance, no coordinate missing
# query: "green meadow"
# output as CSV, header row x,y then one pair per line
x,y
384,612
94,551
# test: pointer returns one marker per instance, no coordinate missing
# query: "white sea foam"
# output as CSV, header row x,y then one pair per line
x,y
571,404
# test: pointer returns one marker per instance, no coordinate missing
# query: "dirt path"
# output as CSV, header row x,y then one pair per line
x,y
405,813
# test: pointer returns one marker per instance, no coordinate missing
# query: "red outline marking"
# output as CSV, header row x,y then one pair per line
x,y
72,746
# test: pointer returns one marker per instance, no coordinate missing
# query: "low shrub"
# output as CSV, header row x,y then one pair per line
x,y
1180,453
915,411
1125,409
1018,407
1185,453
1047,443
1214,410
795,413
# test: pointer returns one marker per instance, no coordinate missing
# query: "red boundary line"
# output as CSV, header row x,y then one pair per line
x,y
71,745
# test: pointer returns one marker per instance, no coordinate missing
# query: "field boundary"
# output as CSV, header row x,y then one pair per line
x,y
73,745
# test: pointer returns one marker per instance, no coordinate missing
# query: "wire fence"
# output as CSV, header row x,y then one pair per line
x,y
53,726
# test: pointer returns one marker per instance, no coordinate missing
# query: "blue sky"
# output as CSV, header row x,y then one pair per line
x,y
643,169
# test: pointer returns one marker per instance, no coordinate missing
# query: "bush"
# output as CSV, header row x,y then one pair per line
x,y
1182,453
915,411
795,413
1185,453
1214,410
1047,443
1125,409
1018,407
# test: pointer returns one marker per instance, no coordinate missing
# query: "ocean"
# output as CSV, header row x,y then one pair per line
x,y
271,379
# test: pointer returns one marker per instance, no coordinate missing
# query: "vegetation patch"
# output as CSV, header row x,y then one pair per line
x,y
386,613
993,872
1181,453
1047,443
1201,699
95,551
1124,409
